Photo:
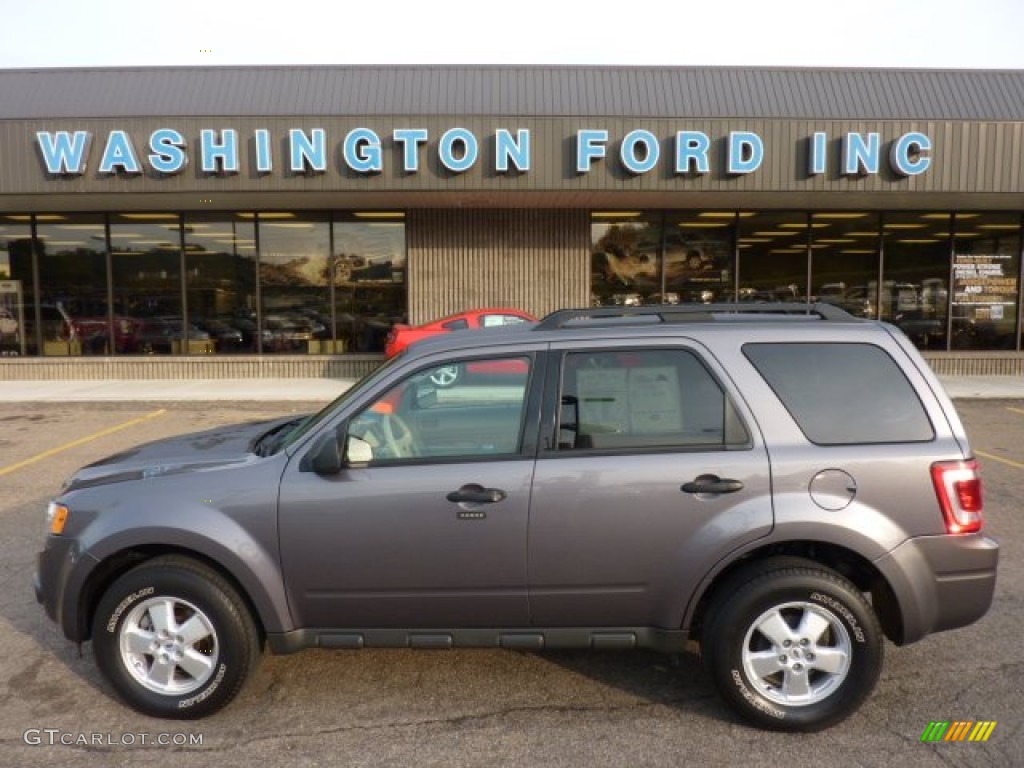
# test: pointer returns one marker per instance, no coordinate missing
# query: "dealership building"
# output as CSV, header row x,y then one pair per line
x,y
250,221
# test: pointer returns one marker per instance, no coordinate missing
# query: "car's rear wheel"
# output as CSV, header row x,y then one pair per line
x,y
446,376
174,639
792,646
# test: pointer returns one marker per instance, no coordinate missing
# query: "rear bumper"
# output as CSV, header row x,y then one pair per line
x,y
941,582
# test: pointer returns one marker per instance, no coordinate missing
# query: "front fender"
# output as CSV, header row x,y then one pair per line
x,y
250,566
227,516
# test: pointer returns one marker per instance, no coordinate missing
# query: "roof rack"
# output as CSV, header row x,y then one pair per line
x,y
681,313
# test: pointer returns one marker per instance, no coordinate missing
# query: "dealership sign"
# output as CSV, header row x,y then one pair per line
x,y
365,151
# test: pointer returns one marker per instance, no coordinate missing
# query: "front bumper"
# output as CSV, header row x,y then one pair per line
x,y
58,583
941,582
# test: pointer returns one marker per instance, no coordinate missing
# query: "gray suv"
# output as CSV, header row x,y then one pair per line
x,y
777,487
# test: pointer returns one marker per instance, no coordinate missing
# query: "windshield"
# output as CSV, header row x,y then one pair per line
x,y
312,422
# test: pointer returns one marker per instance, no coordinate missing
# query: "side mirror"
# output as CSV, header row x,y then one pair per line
x,y
357,451
324,458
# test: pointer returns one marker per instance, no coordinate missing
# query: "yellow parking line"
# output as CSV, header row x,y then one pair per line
x,y
82,440
1016,464
1015,410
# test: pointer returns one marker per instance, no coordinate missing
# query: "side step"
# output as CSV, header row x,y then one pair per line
x,y
527,639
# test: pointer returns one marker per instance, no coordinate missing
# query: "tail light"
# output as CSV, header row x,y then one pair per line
x,y
958,487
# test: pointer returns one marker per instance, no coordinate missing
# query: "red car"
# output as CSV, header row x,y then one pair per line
x,y
402,336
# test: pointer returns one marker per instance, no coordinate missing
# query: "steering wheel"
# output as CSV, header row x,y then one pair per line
x,y
398,438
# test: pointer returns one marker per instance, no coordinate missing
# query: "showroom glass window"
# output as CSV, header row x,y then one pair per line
x,y
294,288
368,268
698,257
915,286
220,280
625,261
773,256
986,272
17,314
844,260
145,250
73,298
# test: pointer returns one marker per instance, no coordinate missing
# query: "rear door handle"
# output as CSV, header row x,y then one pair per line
x,y
476,494
712,484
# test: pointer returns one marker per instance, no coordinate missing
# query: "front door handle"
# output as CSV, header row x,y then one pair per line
x,y
712,484
476,494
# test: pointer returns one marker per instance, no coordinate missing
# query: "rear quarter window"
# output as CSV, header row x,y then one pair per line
x,y
843,394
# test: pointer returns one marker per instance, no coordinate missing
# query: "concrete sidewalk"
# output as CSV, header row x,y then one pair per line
x,y
271,390
168,390
984,387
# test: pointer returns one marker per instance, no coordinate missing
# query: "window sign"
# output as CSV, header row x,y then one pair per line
x,y
986,265
984,280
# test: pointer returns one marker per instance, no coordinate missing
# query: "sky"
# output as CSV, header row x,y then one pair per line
x,y
977,34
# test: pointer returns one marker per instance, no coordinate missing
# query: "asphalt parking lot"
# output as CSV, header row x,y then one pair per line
x,y
475,707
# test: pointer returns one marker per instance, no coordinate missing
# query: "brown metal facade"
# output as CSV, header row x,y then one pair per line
x,y
974,119
523,91
534,260
974,165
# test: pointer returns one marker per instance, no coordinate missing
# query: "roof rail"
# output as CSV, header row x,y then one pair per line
x,y
678,313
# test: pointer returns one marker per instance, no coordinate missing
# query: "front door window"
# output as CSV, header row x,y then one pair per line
x,y
471,409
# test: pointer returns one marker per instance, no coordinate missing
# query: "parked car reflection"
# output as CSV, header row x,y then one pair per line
x,y
164,335
228,338
926,330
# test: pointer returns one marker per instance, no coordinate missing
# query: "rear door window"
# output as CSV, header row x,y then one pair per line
x,y
636,399
843,394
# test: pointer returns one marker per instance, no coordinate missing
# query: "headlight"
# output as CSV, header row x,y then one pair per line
x,y
56,517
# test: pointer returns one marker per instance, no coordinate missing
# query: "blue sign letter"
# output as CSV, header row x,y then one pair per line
x,y
746,152
630,157
307,153
860,156
907,155
447,150
226,150
410,139
818,145
517,150
64,153
119,152
589,146
692,149
168,147
264,160
362,151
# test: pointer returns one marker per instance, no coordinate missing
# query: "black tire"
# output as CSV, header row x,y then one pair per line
x,y
824,672
195,668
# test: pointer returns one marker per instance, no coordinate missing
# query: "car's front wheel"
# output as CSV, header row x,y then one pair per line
x,y
792,646
174,639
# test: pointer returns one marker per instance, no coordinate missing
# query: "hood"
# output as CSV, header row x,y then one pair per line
x,y
198,451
